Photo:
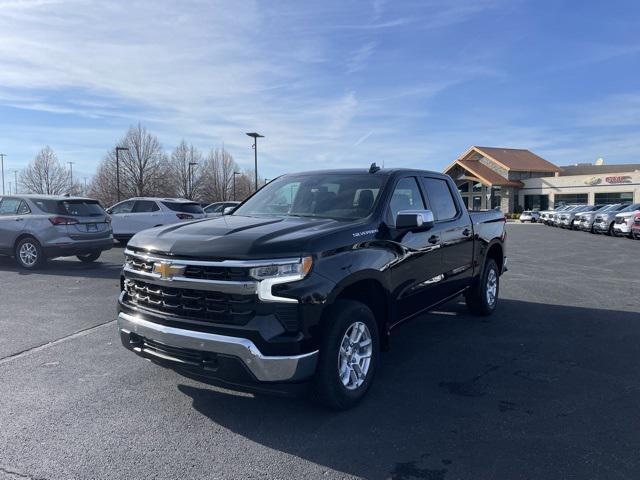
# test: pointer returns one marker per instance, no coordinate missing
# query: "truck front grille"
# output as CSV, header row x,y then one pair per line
x,y
215,307
198,272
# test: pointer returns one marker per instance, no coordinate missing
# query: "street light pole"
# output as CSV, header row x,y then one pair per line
x,y
2,155
255,137
15,177
190,180
118,150
234,185
71,173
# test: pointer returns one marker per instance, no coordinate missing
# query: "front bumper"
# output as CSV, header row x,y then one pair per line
x,y
622,228
209,351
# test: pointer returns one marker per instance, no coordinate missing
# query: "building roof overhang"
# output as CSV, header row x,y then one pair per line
x,y
487,176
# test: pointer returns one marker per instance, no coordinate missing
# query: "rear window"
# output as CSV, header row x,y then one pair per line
x,y
184,207
75,208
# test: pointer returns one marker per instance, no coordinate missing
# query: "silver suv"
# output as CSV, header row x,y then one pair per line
x,y
567,219
36,227
584,220
603,222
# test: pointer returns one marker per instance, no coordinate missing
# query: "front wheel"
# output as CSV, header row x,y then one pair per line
x,y
482,298
89,257
348,355
29,254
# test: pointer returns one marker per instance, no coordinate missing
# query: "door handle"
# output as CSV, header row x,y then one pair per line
x,y
433,239
466,232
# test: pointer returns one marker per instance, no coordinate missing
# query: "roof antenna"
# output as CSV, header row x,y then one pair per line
x,y
373,168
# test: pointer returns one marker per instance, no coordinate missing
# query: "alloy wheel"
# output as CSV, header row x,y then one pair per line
x,y
354,357
28,254
492,287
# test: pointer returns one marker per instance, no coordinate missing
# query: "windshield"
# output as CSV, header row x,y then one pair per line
x,y
631,208
336,196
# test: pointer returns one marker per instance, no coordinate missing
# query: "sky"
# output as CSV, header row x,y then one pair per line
x,y
332,83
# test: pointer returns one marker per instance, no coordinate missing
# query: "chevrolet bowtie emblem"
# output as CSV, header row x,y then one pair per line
x,y
167,271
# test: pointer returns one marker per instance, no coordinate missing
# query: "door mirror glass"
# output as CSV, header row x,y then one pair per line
x,y
415,219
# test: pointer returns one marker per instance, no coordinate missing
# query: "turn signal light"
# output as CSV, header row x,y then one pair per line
x,y
63,221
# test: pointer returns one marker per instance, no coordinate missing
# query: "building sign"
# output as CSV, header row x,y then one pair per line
x,y
593,181
619,179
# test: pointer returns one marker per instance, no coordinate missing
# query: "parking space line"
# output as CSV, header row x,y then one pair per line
x,y
29,351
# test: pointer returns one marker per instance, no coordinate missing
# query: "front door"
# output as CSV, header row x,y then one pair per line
x,y
417,275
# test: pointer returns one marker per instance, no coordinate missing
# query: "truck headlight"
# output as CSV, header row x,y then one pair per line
x,y
297,268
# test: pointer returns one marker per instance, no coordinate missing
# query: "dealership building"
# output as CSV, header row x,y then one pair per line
x,y
507,178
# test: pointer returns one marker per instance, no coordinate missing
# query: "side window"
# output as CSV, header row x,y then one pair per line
x,y
406,196
23,208
124,207
145,206
9,206
440,199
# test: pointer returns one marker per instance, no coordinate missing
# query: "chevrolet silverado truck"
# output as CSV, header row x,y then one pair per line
x,y
304,282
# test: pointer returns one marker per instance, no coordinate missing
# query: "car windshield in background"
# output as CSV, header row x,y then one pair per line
x,y
336,196
631,208
184,207
75,208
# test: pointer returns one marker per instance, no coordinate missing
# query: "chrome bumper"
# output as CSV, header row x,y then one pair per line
x,y
264,368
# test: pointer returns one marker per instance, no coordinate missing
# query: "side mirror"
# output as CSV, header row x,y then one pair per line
x,y
109,211
228,210
415,219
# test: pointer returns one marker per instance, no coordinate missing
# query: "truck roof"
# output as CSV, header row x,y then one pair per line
x,y
365,171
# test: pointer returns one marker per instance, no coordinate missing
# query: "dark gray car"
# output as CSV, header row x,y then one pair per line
x,y
36,227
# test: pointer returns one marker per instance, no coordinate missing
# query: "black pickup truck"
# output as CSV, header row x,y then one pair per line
x,y
303,283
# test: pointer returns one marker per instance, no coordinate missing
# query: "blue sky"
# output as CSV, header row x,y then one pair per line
x,y
330,84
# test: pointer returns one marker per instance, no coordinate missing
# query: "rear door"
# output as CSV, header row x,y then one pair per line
x,y
13,213
145,214
456,232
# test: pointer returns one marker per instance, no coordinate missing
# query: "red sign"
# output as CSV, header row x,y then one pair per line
x,y
622,179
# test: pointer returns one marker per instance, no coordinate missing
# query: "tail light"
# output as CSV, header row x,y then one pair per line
x,y
63,221
184,216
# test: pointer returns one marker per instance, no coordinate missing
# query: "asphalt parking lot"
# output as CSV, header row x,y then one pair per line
x,y
548,387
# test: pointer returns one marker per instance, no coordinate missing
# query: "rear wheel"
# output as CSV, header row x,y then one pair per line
x,y
348,355
89,257
29,254
482,299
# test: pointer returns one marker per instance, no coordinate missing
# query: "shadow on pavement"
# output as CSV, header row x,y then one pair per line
x,y
535,391
66,266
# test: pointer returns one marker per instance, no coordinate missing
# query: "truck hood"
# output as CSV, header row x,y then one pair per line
x,y
239,237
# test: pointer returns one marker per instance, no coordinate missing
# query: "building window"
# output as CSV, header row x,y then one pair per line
x,y
477,187
496,201
566,198
477,202
536,202
614,197
463,187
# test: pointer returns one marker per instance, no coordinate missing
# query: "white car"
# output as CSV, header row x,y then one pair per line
x,y
136,214
217,209
530,216
624,220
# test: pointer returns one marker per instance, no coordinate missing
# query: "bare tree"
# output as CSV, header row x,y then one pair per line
x,y
188,182
144,169
218,175
45,175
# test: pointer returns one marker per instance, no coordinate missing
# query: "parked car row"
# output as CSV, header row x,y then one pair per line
x,y
34,228
618,219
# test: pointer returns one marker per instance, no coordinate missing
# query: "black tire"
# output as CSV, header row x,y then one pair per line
x,y
328,387
28,253
89,257
611,233
476,298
